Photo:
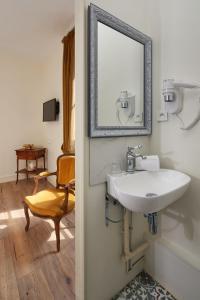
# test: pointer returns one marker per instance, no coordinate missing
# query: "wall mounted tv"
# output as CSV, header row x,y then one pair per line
x,y
50,110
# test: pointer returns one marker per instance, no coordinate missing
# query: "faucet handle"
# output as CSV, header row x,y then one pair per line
x,y
130,149
138,147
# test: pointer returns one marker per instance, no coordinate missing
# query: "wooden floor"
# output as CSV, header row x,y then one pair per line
x,y
29,266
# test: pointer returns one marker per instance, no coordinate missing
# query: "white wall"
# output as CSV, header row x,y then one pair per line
x,y
26,82
174,259
52,88
180,227
104,270
20,113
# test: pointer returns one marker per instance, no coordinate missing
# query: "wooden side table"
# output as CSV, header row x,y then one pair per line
x,y
30,154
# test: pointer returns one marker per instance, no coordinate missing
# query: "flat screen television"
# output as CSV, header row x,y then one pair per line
x,y
50,110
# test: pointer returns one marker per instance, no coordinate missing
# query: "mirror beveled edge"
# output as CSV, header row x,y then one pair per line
x,y
95,15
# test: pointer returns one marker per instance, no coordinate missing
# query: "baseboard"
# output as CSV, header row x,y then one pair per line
x,y
13,178
174,268
52,180
7,178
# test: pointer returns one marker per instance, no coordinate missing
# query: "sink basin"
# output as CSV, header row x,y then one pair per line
x,y
146,191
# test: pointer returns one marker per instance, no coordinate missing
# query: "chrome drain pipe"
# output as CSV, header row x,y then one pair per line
x,y
153,222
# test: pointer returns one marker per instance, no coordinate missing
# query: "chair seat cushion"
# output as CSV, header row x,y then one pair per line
x,y
49,202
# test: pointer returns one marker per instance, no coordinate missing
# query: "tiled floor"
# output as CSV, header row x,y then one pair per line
x,y
144,287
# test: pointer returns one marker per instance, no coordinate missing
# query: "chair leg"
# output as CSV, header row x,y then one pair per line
x,y
57,230
27,217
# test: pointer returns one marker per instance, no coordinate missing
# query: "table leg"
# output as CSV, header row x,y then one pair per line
x,y
26,169
36,167
17,170
44,162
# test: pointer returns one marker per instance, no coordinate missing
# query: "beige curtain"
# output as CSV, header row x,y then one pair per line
x,y
68,93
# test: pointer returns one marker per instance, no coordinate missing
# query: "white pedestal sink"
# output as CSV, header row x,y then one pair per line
x,y
147,192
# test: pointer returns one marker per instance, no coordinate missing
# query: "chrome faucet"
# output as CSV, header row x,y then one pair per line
x,y
131,156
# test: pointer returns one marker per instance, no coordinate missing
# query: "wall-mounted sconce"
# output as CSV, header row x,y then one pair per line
x,y
123,99
125,107
168,90
173,94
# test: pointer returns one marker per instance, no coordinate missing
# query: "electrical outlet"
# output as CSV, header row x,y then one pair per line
x,y
138,118
162,116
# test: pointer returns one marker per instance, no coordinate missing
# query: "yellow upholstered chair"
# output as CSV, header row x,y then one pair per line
x,y
54,203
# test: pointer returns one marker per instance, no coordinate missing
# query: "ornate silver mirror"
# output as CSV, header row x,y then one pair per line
x,y
120,77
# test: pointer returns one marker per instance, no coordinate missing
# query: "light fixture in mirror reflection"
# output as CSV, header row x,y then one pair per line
x,y
125,108
120,71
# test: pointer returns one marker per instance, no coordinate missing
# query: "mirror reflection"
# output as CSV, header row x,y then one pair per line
x,y
120,79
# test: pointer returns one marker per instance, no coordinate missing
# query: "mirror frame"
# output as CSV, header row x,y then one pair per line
x,y
95,15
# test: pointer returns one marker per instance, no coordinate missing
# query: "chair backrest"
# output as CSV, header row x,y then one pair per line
x,y
65,169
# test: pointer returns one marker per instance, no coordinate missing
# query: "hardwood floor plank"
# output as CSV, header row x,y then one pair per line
x,y
57,278
30,268
8,282
22,257
34,286
2,270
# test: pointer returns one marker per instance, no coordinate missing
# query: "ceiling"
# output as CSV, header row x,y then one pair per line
x,y
34,26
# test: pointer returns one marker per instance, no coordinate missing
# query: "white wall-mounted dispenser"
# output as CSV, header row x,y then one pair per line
x,y
173,94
